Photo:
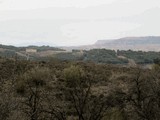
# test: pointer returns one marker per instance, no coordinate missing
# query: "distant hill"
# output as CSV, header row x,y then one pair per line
x,y
46,53
38,48
35,52
131,41
150,43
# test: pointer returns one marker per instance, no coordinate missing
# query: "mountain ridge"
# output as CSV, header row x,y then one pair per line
x,y
131,40
146,43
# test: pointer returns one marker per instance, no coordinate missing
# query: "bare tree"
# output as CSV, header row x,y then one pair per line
x,y
88,106
141,97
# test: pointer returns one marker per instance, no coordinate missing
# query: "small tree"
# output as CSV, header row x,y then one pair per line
x,y
140,96
31,86
86,104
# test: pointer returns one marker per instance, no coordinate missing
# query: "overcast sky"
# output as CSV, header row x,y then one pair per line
x,y
76,22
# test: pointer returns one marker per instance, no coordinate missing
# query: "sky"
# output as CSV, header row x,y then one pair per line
x,y
76,22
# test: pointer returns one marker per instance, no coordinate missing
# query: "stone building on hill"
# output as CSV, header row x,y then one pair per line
x,y
29,50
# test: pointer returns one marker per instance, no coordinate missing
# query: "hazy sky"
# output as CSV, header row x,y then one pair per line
x,y
76,22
